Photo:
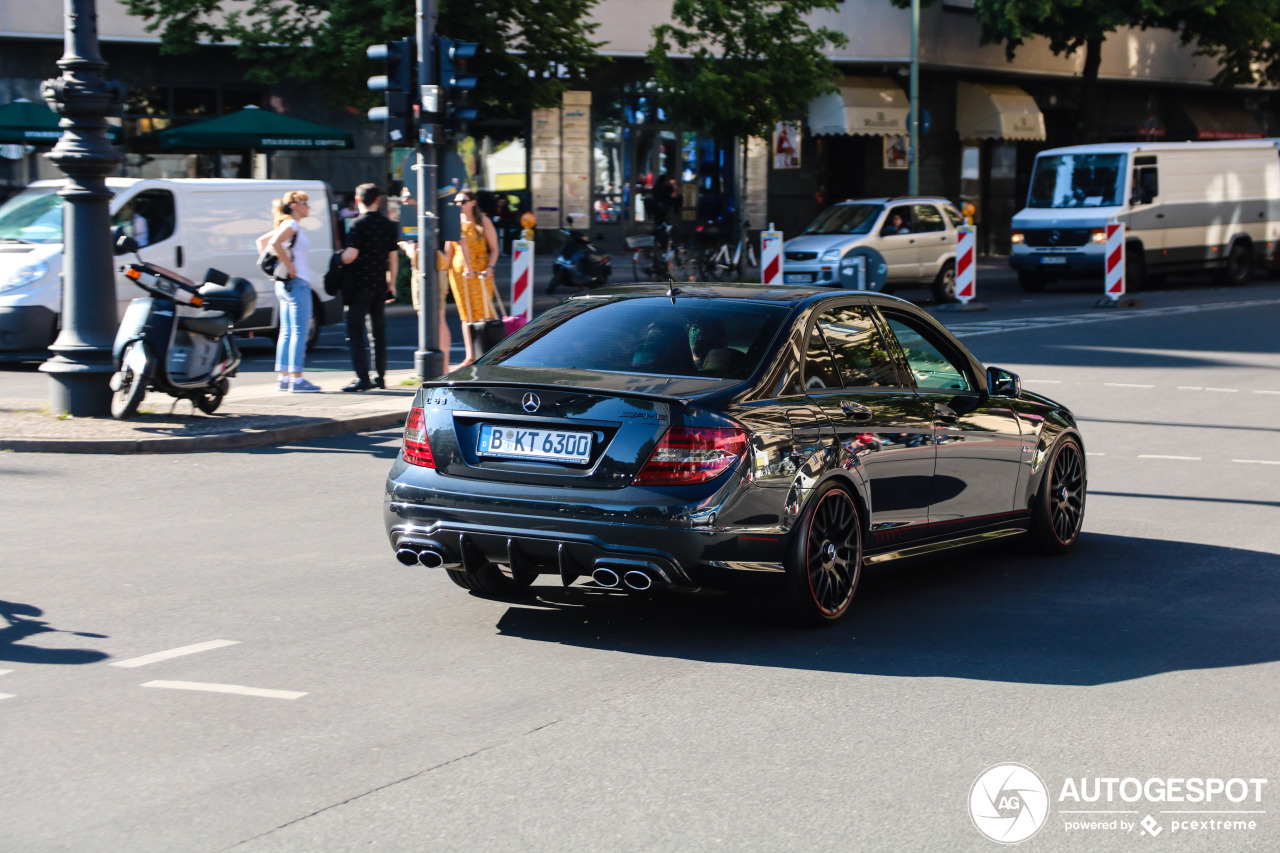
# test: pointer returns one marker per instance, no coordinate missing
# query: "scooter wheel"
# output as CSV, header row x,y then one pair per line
x,y
129,390
209,401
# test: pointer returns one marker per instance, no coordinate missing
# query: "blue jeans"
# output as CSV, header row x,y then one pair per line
x,y
295,318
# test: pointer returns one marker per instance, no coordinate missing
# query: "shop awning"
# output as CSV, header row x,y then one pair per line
x,y
29,123
1216,121
872,106
257,129
996,111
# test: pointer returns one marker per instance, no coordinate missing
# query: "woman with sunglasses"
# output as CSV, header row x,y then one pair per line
x,y
470,262
290,245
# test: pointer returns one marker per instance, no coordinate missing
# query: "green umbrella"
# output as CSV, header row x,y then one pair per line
x,y
27,123
252,128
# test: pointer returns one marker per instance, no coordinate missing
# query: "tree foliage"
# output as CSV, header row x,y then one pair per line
x,y
323,42
751,63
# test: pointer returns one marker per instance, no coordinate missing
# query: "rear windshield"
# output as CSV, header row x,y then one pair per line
x,y
708,338
846,219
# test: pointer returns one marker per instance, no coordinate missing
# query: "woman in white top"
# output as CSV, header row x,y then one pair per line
x,y
290,244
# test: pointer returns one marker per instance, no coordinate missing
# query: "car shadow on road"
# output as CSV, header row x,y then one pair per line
x,y
1116,608
19,624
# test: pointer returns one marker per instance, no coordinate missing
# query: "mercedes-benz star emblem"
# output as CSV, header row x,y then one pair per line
x,y
1055,236
530,402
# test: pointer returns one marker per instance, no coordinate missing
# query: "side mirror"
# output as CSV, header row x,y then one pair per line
x,y
124,243
1003,383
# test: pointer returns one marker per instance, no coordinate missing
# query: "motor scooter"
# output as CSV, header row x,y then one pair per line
x,y
188,357
579,263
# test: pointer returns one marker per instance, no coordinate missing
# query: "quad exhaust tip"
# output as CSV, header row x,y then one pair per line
x,y
606,577
428,557
408,556
638,581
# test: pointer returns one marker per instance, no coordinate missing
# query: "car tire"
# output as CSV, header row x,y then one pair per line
x,y
1058,512
1135,269
1032,282
491,580
944,284
824,562
1238,266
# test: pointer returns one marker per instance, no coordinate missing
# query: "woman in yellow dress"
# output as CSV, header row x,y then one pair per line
x,y
470,262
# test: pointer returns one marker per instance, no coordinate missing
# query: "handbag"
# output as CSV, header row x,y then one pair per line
x,y
510,323
486,334
270,264
335,277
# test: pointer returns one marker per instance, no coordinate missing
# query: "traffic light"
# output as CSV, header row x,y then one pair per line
x,y
455,83
398,85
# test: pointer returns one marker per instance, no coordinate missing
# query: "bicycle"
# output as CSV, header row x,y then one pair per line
x,y
718,263
657,257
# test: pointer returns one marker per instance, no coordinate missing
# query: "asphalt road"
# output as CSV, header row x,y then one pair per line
x,y
372,704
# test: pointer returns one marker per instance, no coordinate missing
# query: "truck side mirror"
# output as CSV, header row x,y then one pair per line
x,y
124,244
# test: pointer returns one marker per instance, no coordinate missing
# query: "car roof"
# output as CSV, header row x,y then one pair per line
x,y
776,294
897,199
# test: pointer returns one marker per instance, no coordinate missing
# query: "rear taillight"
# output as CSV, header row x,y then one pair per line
x,y
417,451
688,455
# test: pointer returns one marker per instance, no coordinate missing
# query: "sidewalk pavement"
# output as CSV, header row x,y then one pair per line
x,y
252,415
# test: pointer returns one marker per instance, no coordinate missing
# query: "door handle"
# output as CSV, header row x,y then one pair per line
x,y
177,255
855,411
1159,216
945,413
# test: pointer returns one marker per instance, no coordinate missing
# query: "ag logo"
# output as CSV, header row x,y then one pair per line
x,y
1008,803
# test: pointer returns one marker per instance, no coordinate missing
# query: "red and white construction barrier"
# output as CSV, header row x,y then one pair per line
x,y
966,264
771,256
522,279
1114,281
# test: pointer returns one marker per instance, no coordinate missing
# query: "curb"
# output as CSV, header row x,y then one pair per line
x,y
317,428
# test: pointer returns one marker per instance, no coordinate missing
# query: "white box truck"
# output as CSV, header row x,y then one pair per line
x,y
1186,206
187,225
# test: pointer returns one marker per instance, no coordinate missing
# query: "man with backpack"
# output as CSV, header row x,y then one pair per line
x,y
371,254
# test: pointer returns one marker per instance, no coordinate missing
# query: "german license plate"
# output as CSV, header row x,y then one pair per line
x,y
548,445
797,278
1052,259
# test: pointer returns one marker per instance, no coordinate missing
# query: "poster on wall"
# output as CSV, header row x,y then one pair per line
x,y
786,145
895,152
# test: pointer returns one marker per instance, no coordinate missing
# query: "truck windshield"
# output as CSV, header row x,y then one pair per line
x,y
32,216
1077,180
846,219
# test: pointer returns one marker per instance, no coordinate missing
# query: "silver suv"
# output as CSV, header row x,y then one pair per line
x,y
904,241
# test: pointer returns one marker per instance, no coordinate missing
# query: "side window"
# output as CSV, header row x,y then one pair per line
x,y
819,368
954,215
860,353
148,217
930,367
897,222
928,219
1146,184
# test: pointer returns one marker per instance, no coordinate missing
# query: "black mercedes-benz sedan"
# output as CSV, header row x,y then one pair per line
x,y
772,440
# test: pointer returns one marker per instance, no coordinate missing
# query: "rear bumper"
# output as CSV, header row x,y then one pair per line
x,y
682,546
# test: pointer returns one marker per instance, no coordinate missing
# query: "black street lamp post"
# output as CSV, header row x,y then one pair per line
x,y
81,366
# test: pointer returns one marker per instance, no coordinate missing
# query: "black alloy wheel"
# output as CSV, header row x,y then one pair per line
x,y
1135,269
825,561
1059,511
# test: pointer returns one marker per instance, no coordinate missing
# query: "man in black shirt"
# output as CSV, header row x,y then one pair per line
x,y
371,252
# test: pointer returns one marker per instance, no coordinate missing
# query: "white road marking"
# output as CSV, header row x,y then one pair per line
x,y
1257,461
1190,387
5,671
238,689
1158,456
1266,392
1224,390
1125,385
174,653
1091,453
996,327
1045,381
6,695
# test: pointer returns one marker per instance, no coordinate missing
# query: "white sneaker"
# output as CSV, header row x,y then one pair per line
x,y
302,386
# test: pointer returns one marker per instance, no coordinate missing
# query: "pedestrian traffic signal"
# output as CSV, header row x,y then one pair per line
x,y
455,83
399,60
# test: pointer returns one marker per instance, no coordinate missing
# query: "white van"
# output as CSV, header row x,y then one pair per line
x,y
1186,206
187,225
